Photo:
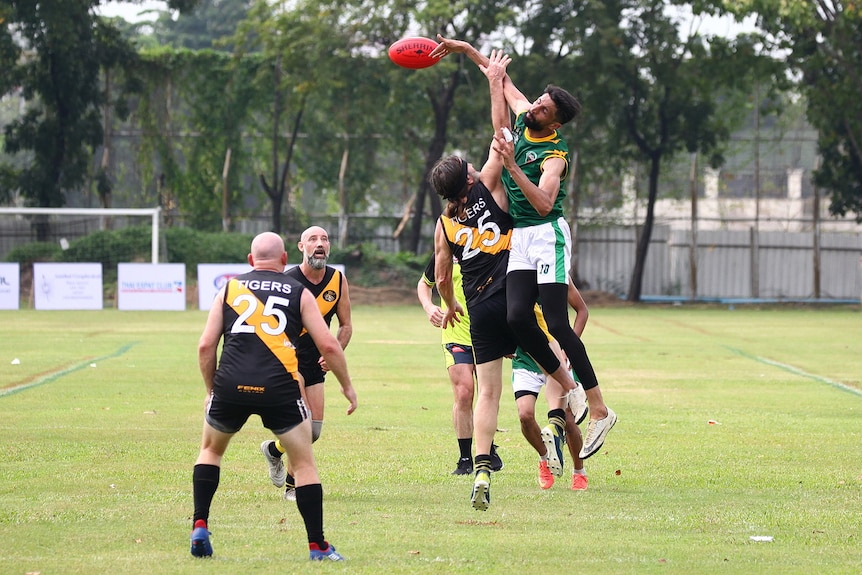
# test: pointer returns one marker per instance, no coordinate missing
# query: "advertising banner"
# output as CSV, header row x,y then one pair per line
x,y
151,286
211,278
67,286
10,285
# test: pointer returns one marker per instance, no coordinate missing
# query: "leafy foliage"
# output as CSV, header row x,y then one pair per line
x,y
369,267
191,169
823,41
649,93
62,76
34,252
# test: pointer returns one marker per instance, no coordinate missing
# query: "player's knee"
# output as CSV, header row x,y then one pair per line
x,y
526,417
464,395
316,430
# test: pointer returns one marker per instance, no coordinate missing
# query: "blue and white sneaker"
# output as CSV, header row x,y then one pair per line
x,y
328,554
201,546
553,440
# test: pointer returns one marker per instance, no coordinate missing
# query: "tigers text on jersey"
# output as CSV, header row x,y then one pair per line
x,y
480,242
530,155
261,324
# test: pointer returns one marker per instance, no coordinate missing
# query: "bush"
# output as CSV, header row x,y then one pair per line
x,y
111,247
369,267
35,252
366,265
192,247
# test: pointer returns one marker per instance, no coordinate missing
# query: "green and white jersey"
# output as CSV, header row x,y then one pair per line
x,y
530,155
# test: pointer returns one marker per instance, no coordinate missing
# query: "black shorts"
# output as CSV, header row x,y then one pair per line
x,y
458,354
229,417
492,337
312,373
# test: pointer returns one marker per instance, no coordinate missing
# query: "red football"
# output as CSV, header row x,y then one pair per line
x,y
413,52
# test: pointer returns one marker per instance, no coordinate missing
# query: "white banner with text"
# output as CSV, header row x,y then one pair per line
x,y
67,286
212,277
151,286
10,285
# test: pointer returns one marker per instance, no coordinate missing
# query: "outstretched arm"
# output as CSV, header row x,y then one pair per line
x,y
492,171
514,98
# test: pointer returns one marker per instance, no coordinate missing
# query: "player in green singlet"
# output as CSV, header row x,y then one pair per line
x,y
537,163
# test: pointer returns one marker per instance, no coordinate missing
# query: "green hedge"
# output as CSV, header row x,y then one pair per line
x,y
366,265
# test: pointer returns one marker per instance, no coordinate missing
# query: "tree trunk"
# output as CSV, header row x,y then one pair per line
x,y
442,105
342,194
105,187
574,201
274,190
646,233
225,212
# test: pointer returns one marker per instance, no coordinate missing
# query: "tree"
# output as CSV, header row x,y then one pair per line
x,y
210,25
193,113
288,38
427,135
60,78
54,50
659,93
823,40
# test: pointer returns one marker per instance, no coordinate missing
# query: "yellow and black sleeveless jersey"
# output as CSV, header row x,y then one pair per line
x,y
480,241
262,323
327,294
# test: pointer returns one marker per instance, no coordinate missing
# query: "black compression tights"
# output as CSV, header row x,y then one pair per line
x,y
522,292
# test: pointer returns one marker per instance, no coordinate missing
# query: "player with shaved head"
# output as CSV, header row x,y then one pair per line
x,y
261,315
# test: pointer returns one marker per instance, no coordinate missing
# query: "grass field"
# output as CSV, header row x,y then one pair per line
x,y
101,417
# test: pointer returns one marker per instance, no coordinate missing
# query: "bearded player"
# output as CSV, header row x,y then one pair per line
x,y
329,287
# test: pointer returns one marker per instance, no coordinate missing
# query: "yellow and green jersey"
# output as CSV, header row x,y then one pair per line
x,y
530,155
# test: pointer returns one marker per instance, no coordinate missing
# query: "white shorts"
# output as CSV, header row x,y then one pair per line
x,y
526,380
545,248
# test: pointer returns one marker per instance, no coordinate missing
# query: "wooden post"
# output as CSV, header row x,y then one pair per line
x,y
692,249
816,216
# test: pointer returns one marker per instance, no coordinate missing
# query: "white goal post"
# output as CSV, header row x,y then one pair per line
x,y
154,213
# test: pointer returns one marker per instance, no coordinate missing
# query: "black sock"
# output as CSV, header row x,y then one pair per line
x,y
483,463
273,450
205,480
309,501
465,446
557,417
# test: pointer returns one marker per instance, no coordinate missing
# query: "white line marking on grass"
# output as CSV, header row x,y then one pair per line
x,y
797,371
58,374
